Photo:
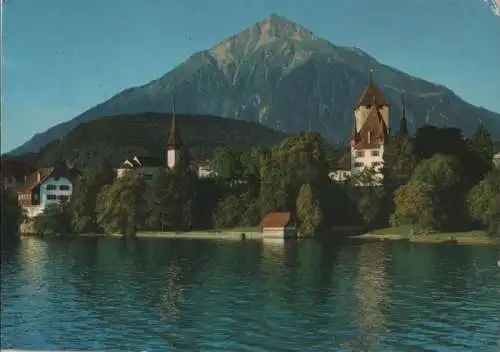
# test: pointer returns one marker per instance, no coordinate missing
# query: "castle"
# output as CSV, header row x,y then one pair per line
x,y
369,136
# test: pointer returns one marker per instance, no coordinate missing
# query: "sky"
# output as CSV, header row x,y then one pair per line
x,y
62,57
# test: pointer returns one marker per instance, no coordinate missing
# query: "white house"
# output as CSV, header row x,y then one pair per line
x,y
44,187
278,225
145,166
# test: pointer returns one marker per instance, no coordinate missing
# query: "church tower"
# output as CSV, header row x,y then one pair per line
x,y
174,142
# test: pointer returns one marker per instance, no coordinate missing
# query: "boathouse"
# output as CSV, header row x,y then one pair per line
x,y
278,225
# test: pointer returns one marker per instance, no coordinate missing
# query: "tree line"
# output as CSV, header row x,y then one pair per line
x,y
436,180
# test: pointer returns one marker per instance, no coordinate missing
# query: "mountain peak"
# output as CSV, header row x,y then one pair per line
x,y
278,27
272,29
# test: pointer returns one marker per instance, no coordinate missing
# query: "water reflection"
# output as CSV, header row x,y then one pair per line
x,y
229,296
172,293
372,293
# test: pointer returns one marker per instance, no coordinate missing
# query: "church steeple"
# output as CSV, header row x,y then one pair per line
x,y
174,142
403,128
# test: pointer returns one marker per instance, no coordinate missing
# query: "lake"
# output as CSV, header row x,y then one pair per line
x,y
205,295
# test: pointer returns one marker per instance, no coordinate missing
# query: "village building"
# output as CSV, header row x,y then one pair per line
x,y
46,186
149,166
496,160
368,139
278,225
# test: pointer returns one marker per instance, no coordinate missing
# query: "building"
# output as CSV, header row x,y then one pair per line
x,y
496,160
144,165
204,169
44,187
278,225
149,166
368,139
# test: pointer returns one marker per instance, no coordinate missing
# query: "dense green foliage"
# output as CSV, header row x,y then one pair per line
x,y
446,186
105,142
10,215
54,221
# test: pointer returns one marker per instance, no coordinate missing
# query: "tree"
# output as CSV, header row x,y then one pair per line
x,y
10,215
415,206
443,174
430,140
309,214
229,212
399,161
120,206
83,200
370,202
440,171
170,200
483,202
161,201
55,220
226,163
480,160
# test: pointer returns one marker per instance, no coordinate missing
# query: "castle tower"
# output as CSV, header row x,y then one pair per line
x,y
370,131
174,142
371,96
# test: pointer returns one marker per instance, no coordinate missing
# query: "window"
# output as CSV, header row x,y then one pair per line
x,y
360,153
64,187
63,198
148,177
51,197
51,187
375,153
358,164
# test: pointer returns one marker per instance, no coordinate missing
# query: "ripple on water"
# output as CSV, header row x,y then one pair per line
x,y
218,296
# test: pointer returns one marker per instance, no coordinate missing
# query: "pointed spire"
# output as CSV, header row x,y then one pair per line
x,y
174,140
403,128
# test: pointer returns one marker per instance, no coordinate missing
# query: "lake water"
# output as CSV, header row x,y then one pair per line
x,y
202,295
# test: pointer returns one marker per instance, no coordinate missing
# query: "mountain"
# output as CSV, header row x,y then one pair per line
x,y
282,75
103,142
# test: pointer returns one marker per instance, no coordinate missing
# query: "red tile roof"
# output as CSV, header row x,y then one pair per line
x,y
369,94
372,133
33,181
276,219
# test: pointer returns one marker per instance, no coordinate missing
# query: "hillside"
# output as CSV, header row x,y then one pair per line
x,y
281,75
106,141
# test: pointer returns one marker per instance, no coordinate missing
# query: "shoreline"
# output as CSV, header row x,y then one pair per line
x,y
464,238
207,235
442,238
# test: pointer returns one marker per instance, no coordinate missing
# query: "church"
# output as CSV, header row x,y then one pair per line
x,y
148,166
369,136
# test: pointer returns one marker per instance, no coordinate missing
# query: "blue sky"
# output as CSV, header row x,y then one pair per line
x,y
62,57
